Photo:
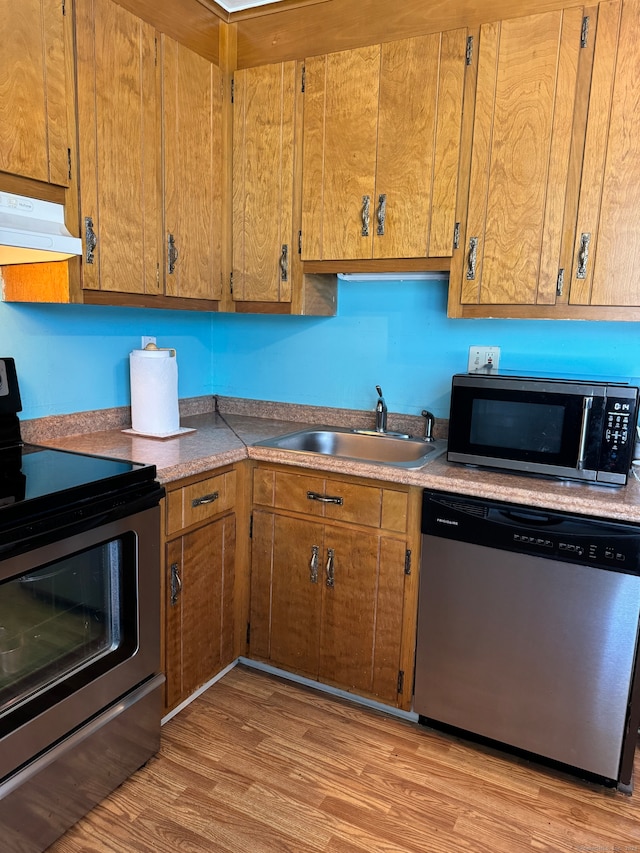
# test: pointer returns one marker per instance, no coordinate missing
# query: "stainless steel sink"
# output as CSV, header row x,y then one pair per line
x,y
362,446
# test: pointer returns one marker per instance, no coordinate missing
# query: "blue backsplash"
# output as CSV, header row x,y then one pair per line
x,y
396,334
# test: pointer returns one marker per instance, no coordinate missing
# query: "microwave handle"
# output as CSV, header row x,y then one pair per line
x,y
587,403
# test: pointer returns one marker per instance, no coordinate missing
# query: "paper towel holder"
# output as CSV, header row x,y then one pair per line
x,y
152,346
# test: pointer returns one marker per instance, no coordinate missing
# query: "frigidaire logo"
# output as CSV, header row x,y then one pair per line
x,y
447,521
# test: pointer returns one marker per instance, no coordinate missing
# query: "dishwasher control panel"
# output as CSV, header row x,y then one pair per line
x,y
538,532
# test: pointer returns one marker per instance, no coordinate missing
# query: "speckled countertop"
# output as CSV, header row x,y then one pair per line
x,y
229,435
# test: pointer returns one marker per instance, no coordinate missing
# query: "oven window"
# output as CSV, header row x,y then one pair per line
x,y
60,622
513,425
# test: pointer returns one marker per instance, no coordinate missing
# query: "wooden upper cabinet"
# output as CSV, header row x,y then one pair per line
x,y
192,140
382,129
118,149
526,86
605,269
34,135
265,247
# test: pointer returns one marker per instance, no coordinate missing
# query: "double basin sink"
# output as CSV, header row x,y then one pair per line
x,y
398,450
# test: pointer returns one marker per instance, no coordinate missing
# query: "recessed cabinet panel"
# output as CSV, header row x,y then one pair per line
x,y
118,149
606,256
264,244
192,140
519,156
33,104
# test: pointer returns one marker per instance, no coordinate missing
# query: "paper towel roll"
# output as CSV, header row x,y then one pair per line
x,y
154,392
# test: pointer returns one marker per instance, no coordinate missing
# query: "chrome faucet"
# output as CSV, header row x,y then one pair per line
x,y
381,412
428,427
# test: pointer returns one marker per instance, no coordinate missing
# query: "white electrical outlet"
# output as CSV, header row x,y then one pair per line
x,y
147,339
483,359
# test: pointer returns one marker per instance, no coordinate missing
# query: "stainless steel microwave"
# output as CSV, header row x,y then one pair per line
x,y
567,428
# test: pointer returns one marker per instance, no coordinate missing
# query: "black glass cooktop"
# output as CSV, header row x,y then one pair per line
x,y
43,489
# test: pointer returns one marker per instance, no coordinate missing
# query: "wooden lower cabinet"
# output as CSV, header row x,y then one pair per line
x,y
334,601
200,585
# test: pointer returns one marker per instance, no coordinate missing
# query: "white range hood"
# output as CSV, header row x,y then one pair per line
x,y
33,231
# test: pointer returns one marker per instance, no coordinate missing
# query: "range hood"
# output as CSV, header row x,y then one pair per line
x,y
33,231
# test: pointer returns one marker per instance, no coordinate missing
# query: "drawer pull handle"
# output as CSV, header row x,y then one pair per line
x,y
313,564
366,214
583,255
472,259
176,583
324,499
330,569
205,499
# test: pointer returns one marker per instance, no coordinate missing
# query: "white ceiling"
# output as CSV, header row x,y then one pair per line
x,y
239,5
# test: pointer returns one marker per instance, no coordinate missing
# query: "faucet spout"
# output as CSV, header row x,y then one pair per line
x,y
428,427
381,412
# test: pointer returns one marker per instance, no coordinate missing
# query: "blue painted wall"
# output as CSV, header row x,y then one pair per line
x,y
396,334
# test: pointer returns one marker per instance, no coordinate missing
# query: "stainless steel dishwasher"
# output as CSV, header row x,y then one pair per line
x,y
528,630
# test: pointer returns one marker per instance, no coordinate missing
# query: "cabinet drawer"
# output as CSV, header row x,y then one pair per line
x,y
329,498
200,501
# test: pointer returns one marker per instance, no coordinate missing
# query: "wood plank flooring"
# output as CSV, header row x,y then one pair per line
x,y
260,765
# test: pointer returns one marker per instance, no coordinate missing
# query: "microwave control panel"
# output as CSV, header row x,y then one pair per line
x,y
618,431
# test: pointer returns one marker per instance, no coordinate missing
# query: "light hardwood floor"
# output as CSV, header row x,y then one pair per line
x,y
258,765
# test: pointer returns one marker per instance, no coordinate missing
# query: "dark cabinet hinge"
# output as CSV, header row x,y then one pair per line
x,y
584,32
155,48
560,283
304,79
231,282
456,235
69,161
299,242
233,89
248,633
469,51
407,561
64,7
251,526
401,681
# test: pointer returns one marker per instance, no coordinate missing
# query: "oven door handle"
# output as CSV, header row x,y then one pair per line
x,y
587,403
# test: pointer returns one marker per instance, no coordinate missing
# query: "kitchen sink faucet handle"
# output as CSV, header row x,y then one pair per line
x,y
381,412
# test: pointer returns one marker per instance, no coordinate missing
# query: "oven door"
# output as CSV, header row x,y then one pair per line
x,y
527,425
73,636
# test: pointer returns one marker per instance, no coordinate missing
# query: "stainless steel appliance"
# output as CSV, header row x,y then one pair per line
x,y
528,632
568,428
80,689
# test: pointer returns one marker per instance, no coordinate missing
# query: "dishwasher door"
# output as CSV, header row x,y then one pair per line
x,y
533,652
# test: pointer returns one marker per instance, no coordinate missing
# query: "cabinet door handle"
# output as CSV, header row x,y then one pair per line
x,y
205,499
90,239
473,257
583,255
324,499
366,206
176,583
330,569
381,214
284,263
172,253
313,564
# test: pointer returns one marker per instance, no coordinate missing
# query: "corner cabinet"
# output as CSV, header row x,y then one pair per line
x,y
334,580
200,584
382,130
267,274
555,167
34,129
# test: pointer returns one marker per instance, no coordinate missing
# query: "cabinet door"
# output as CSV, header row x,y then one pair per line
x,y
118,148
340,130
264,246
199,607
33,108
361,625
606,257
525,95
286,591
419,127
192,140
